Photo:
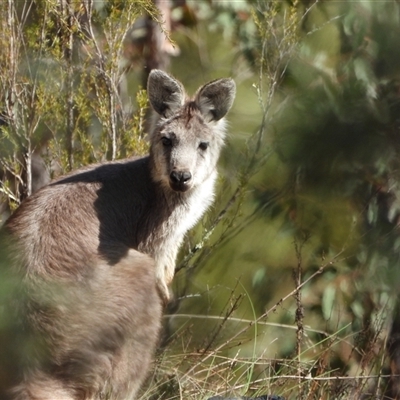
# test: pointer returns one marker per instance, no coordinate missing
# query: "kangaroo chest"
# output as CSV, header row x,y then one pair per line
x,y
175,218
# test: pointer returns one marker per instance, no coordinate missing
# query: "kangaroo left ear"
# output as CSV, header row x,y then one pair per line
x,y
216,98
166,94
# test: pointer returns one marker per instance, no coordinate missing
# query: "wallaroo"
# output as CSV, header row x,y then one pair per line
x,y
87,260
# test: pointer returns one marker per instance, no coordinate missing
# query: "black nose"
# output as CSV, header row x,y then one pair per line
x,y
180,177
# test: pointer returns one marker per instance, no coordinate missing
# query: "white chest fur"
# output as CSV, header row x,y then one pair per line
x,y
183,218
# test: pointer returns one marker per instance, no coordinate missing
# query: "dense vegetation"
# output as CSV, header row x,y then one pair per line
x,y
289,285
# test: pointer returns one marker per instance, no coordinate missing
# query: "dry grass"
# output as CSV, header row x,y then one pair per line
x,y
340,365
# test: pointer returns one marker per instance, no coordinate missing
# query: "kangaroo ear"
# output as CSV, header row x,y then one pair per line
x,y
216,98
165,93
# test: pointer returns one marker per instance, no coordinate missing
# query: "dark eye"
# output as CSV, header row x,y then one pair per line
x,y
203,145
167,142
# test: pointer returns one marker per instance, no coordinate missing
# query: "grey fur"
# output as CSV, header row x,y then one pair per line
x,y
87,257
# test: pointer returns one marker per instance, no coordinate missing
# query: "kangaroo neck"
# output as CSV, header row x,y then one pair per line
x,y
167,212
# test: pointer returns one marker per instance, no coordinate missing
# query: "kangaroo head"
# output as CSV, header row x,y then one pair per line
x,y
189,133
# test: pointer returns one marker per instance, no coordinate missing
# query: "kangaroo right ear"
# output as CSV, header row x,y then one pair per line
x,y
216,98
165,93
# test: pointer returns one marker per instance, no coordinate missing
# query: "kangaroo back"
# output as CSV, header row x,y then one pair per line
x,y
87,260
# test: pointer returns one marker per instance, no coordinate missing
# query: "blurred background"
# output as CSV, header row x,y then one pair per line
x,y
289,285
